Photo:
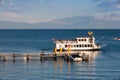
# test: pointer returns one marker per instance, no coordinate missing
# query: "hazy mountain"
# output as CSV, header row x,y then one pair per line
x,y
13,25
78,22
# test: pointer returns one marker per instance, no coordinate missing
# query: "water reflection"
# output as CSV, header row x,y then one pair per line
x,y
51,69
79,68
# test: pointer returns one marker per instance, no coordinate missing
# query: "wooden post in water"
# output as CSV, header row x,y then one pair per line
x,y
13,55
41,55
0,57
65,57
4,58
55,57
26,57
55,50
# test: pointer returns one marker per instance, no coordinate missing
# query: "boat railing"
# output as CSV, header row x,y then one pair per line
x,y
66,41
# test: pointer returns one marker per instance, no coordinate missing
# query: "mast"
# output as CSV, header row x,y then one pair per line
x,y
90,34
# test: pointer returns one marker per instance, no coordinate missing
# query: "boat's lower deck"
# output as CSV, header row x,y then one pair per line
x,y
97,49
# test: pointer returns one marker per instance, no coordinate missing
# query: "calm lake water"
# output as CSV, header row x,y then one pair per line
x,y
103,65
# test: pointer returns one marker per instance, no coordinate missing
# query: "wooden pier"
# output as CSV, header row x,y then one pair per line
x,y
40,56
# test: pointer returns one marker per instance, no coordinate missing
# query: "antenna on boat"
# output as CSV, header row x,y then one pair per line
x,y
90,33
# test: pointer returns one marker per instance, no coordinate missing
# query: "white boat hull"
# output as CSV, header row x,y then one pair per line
x,y
95,48
77,59
79,49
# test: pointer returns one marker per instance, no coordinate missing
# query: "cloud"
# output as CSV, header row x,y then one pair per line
x,y
109,16
6,2
2,3
108,5
10,16
117,1
59,22
112,16
11,2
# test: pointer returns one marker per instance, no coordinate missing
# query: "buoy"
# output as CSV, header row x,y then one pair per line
x,y
68,51
60,50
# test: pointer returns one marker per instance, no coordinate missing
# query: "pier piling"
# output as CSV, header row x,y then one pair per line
x,y
0,57
26,57
42,56
55,57
4,58
13,55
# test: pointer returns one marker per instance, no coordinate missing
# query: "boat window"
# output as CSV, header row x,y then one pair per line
x,y
60,45
65,45
77,46
74,45
85,45
82,45
88,45
90,40
84,39
91,45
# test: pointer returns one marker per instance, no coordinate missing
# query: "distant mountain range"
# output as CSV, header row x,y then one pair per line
x,y
78,22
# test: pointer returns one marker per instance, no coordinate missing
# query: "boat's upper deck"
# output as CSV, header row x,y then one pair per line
x,y
77,40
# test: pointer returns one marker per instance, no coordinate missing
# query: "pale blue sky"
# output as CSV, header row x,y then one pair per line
x,y
33,11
